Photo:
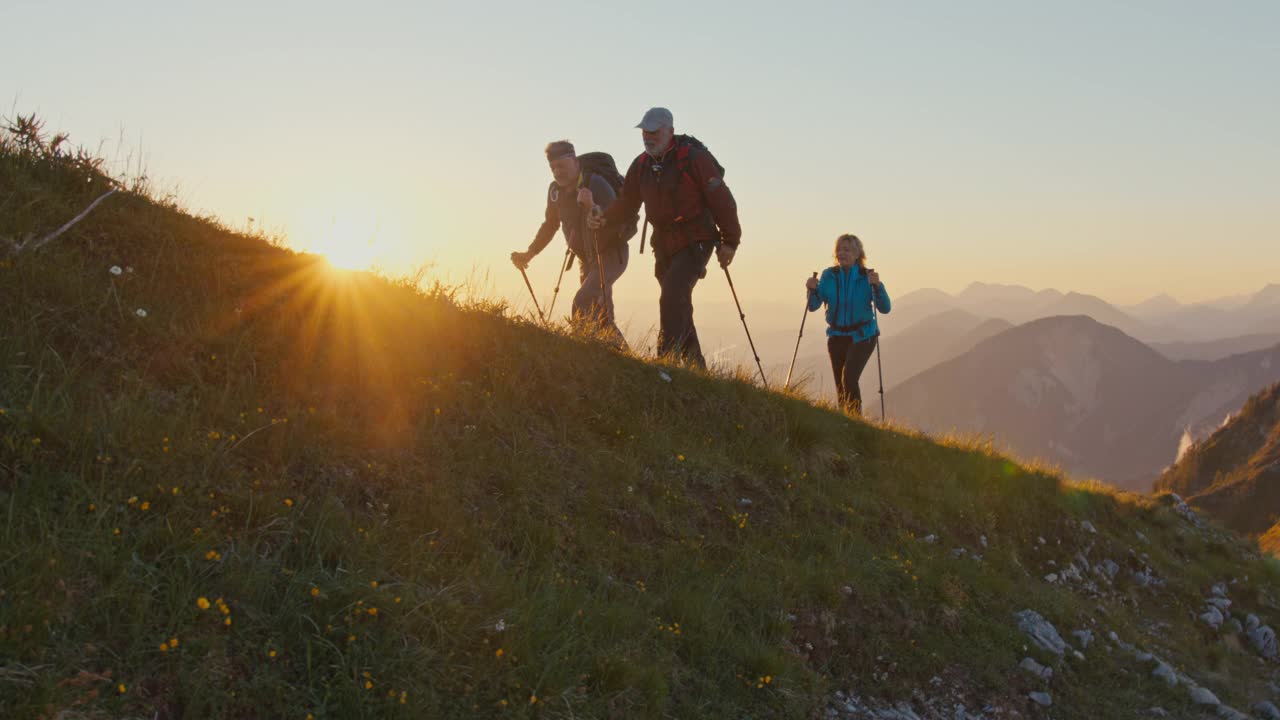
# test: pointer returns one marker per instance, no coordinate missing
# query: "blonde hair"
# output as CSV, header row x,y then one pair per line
x,y
861,259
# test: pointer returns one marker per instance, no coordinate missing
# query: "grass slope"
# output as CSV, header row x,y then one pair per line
x,y
1232,473
286,492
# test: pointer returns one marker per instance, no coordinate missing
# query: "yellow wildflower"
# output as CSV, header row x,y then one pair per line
x,y
202,603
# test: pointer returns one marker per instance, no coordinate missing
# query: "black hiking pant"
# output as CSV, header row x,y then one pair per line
x,y
677,275
848,359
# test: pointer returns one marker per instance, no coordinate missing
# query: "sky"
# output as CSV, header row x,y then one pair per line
x,y
1122,149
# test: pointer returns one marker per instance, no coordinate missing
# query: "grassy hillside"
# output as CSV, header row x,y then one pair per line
x,y
1233,473
237,484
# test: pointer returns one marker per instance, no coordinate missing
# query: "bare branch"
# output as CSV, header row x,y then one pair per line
x,y
36,245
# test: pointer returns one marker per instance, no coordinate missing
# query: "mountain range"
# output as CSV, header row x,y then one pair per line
x,y
1234,474
1083,395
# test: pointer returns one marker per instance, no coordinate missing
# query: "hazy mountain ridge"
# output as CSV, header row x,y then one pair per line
x,y
1234,473
1082,394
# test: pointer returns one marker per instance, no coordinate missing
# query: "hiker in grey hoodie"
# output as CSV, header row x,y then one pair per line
x,y
575,192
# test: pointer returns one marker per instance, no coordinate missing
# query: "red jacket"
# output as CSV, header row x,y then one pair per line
x,y
684,197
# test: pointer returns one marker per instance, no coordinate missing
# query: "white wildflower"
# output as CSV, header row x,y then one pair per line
x,y
140,312
115,270
500,626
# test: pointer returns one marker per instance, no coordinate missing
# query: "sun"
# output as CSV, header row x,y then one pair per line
x,y
347,243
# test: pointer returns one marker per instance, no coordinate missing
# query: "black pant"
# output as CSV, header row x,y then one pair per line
x,y
848,358
677,275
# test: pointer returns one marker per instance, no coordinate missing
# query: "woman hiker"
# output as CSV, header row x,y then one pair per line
x,y
848,289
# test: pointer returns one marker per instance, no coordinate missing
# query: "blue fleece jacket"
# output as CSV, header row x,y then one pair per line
x,y
847,295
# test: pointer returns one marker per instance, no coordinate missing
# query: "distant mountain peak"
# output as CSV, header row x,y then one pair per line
x,y
1268,295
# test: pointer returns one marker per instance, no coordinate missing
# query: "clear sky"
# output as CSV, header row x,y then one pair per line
x,y
1117,148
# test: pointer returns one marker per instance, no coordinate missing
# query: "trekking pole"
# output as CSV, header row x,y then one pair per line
x,y
595,240
568,260
529,285
797,352
743,317
879,367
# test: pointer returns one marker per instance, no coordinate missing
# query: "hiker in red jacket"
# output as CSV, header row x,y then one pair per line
x,y
692,212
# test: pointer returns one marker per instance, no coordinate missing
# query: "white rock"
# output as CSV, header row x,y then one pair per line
x,y
982,540
1219,589
1165,673
1251,622
1212,617
1221,603
1266,710
1041,631
1264,642
1202,696
1035,668
1089,528
1145,577
1041,698
1051,578
1083,638
931,538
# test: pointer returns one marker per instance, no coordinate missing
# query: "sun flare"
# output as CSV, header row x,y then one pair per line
x,y
346,242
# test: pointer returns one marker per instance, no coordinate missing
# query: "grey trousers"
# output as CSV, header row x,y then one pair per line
x,y
591,304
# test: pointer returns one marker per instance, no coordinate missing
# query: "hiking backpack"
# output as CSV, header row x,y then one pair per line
x,y
685,147
601,163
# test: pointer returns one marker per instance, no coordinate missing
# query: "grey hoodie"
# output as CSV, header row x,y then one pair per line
x,y
563,212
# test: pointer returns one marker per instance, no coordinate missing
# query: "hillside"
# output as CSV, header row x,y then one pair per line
x,y
237,484
1234,474
1082,395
